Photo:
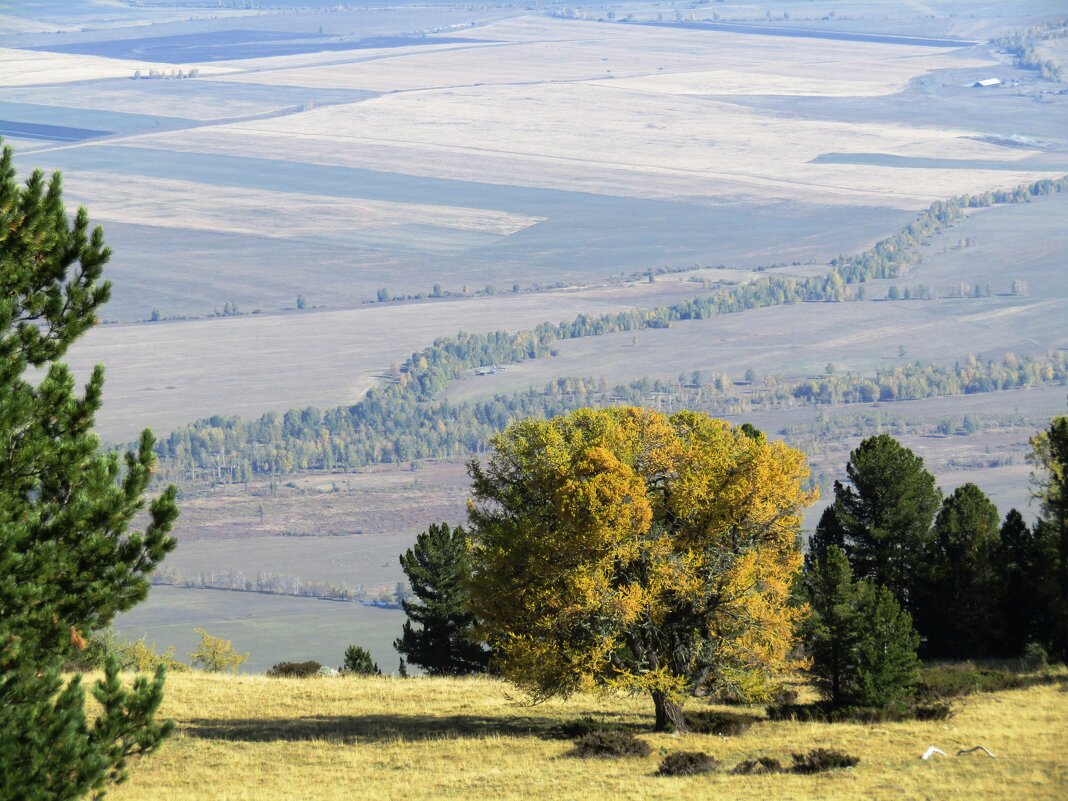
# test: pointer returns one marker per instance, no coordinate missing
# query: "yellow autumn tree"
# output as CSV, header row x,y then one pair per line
x,y
622,549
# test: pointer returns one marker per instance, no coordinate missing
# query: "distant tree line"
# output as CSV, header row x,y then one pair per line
x,y
403,420
1021,45
379,430
269,583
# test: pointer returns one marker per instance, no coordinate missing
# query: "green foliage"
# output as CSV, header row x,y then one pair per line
x,y
610,744
215,654
138,655
68,563
862,644
358,662
882,516
687,763
946,682
294,670
1050,481
958,606
439,632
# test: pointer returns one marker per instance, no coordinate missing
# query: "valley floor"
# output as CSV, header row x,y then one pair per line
x,y
251,737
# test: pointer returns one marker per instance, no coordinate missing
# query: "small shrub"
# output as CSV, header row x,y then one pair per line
x,y
687,763
358,661
1035,658
294,670
785,695
756,767
952,681
579,727
725,724
214,654
610,744
935,711
822,759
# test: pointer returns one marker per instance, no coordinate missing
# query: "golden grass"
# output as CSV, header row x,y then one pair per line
x,y
249,737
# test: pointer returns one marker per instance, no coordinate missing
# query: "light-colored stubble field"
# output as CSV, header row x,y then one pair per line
x,y
250,738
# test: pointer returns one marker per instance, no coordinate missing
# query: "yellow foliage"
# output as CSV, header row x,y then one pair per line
x,y
624,549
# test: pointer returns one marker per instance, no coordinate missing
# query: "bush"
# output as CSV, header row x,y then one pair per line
x,y
1035,658
822,759
214,654
756,767
610,744
580,727
725,724
687,763
358,661
136,655
894,712
295,670
936,711
952,681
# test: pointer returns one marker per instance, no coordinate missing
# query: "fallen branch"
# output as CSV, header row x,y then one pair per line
x,y
982,748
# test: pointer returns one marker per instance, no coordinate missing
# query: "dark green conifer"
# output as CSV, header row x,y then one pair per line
x,y
438,635
68,563
883,516
862,643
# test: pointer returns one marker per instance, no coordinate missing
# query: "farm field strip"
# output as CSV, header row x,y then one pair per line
x,y
190,205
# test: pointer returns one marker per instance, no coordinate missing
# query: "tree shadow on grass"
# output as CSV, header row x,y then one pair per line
x,y
377,728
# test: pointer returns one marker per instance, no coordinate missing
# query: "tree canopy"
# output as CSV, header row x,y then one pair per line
x,y
438,635
882,517
68,563
624,549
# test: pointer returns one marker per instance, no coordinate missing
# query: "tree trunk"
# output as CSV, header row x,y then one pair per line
x,y
669,715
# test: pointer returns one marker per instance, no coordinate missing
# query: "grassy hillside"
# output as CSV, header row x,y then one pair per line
x,y
250,737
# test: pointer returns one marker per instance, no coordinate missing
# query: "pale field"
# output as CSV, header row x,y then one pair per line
x,y
192,206
539,50
256,739
28,67
253,364
544,111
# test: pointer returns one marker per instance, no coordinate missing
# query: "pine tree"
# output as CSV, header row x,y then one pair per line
x,y
1020,569
438,569
68,563
883,515
1050,456
958,612
862,643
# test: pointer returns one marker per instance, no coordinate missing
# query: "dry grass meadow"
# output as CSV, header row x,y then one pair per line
x,y
250,738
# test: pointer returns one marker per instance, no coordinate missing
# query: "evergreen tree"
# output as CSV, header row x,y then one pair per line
x,y
441,641
358,660
959,614
68,563
862,644
1020,571
1050,456
883,515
